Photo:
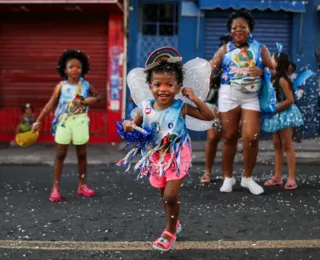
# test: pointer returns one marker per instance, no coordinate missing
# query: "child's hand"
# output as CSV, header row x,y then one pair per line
x,y
188,92
35,127
89,101
75,105
128,125
215,112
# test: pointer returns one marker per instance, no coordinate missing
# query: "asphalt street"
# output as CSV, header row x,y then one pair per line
x,y
277,225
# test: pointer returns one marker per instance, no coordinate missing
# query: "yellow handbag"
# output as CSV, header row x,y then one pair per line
x,y
27,139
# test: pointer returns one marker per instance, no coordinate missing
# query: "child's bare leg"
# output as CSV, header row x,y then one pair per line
x,y
62,151
278,156
286,139
211,150
18,130
163,202
172,205
82,163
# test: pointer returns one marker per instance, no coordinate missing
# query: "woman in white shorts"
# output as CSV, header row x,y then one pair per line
x,y
242,61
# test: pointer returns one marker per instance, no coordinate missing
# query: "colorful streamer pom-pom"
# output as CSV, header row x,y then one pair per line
x,y
140,136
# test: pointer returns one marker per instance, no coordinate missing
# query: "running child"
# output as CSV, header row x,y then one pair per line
x,y
168,159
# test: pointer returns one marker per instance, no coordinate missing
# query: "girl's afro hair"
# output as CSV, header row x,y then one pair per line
x,y
245,14
167,67
73,54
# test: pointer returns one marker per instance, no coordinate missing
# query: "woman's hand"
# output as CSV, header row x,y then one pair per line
x,y
255,72
188,92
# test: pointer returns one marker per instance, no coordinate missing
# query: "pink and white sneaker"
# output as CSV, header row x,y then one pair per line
x,y
55,195
83,190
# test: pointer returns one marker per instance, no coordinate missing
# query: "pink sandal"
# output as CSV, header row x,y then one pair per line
x,y
162,244
291,185
205,178
55,195
85,191
178,227
273,182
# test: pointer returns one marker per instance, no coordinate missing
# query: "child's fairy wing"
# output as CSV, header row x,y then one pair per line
x,y
195,124
134,112
138,86
300,80
197,77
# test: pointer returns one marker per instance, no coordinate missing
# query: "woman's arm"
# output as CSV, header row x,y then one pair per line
x,y
285,86
255,71
266,58
216,61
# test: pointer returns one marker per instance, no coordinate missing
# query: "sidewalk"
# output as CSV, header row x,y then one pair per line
x,y
308,151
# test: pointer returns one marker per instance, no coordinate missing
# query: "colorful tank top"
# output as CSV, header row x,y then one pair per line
x,y
27,120
236,63
164,122
67,94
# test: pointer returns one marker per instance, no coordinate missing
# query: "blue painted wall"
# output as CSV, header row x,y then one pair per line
x,y
188,28
133,25
305,41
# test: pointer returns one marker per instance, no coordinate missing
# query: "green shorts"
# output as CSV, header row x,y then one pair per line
x,y
73,129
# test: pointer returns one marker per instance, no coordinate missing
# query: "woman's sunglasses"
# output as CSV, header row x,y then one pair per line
x,y
241,27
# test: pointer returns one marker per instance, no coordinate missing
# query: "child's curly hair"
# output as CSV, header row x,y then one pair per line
x,y
73,54
245,14
167,67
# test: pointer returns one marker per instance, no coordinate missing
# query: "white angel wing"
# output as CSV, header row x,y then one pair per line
x,y
138,86
195,124
134,112
197,77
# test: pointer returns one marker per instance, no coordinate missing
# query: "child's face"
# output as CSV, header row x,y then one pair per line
x,y
164,87
73,69
28,111
290,69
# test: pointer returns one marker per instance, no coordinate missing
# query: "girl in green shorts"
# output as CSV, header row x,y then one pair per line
x,y
70,125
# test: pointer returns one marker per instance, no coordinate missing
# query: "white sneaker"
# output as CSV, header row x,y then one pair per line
x,y
227,185
250,184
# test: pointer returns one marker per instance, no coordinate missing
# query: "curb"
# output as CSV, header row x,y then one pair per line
x,y
199,161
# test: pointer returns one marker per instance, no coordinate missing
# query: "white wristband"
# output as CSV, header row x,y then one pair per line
x,y
36,123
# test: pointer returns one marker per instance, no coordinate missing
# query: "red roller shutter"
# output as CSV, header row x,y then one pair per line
x,y
30,46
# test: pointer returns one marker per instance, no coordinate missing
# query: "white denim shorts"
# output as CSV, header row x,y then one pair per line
x,y
231,98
